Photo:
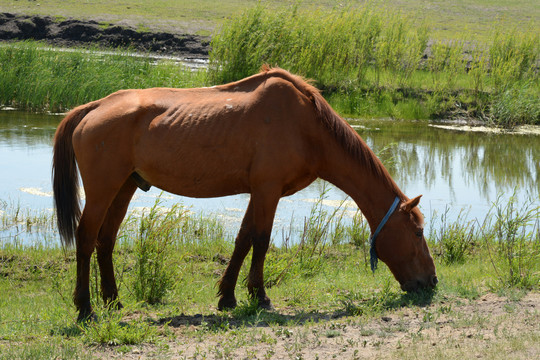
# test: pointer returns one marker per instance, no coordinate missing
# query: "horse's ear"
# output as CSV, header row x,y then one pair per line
x,y
411,204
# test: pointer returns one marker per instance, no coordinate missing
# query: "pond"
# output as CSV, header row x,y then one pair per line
x,y
454,170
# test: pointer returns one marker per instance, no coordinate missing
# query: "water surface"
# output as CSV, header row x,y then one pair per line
x,y
453,170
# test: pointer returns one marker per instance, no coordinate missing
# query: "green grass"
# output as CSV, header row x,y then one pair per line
x,y
321,277
368,64
34,77
371,62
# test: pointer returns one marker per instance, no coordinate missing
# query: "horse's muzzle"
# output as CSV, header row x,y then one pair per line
x,y
416,285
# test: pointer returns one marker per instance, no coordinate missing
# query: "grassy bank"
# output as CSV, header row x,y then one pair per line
x,y
327,301
369,62
369,59
35,77
373,61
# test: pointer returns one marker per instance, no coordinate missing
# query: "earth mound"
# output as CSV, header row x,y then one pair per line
x,y
73,32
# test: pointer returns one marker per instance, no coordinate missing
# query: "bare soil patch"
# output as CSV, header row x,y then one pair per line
x,y
486,328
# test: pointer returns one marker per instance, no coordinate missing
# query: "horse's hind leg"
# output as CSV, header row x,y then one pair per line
x,y
263,218
86,236
107,239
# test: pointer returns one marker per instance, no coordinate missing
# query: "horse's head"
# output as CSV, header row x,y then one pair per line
x,y
402,247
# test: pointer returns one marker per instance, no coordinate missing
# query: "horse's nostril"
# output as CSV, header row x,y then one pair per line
x,y
434,280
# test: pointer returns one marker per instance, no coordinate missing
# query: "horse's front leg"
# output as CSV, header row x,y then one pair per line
x,y
265,202
255,231
256,272
242,246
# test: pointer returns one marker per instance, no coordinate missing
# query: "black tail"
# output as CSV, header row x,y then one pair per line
x,y
65,176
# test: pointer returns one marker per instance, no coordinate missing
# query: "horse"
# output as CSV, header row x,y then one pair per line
x,y
269,135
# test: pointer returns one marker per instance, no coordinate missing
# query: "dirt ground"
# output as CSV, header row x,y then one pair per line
x,y
486,328
72,32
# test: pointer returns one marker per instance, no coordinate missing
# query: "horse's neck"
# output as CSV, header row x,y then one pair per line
x,y
372,191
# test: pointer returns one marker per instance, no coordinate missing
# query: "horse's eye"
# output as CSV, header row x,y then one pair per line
x,y
420,233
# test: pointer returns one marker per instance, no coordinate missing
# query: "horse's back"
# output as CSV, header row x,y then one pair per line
x,y
199,142
221,141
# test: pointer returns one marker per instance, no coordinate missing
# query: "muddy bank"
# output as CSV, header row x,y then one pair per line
x,y
72,32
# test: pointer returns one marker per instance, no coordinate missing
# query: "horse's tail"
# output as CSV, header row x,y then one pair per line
x,y
65,176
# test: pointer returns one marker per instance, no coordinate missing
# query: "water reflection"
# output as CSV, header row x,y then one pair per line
x,y
445,160
26,130
451,169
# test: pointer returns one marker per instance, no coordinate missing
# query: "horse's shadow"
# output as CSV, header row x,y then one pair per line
x,y
248,315
253,317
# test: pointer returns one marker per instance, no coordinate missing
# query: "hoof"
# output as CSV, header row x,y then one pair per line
x,y
86,317
226,303
266,304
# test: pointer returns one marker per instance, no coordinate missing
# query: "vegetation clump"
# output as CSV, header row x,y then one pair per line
x,y
376,62
34,77
369,61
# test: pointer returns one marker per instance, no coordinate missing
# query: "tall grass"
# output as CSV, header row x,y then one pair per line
x,y
515,235
34,77
153,242
323,228
454,241
157,232
159,237
369,61
373,61
334,47
509,236
169,256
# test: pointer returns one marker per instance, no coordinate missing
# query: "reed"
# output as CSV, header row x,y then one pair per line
x,y
373,61
453,241
34,77
157,231
368,64
513,243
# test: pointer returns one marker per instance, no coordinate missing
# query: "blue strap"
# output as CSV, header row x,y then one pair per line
x,y
372,252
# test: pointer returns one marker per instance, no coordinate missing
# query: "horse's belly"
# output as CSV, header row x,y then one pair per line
x,y
206,189
200,183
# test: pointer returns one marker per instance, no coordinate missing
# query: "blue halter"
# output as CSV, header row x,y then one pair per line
x,y
372,252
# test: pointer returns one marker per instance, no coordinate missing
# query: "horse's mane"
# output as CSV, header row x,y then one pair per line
x,y
341,130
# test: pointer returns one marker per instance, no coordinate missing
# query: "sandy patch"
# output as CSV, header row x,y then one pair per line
x,y
518,130
37,192
346,204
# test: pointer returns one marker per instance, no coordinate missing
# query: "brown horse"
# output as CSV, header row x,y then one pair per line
x,y
269,135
